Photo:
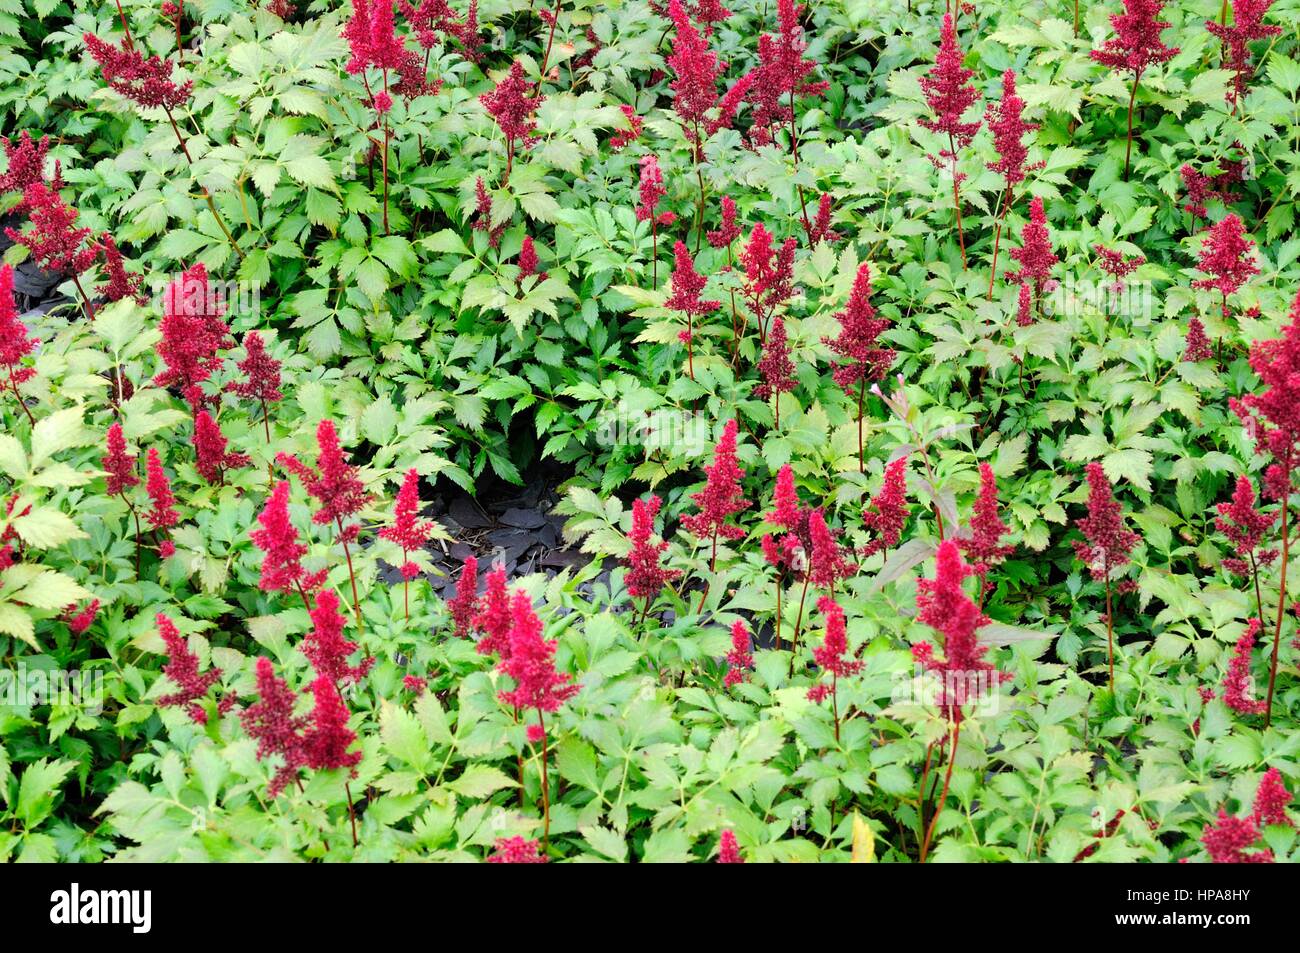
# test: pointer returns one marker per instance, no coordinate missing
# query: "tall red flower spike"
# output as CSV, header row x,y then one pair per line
x,y
728,850
623,138
1227,839
983,548
1227,257
261,381
1108,542
687,284
722,496
1272,416
776,368
146,82
493,616
183,669
1197,344
79,622
1245,527
193,334
728,230
1035,253
532,662
786,511
121,283
327,738
516,850
1136,44
527,261
650,191
464,606
769,275
326,648
740,659
161,514
333,483
1247,27
887,512
645,577
270,722
15,342
827,564
212,459
1116,264
943,605
1009,129
282,569
695,87
119,464
54,241
27,158
1238,686
781,77
408,530
949,94
861,359
514,107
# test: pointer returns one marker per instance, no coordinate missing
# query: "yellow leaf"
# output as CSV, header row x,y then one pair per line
x,y
864,842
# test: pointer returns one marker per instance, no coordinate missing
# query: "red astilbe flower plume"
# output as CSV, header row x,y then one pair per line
x,y
183,669
53,240
270,722
833,654
193,334
1228,838
464,606
212,459
1035,252
333,483
1227,258
861,360
887,512
1118,265
516,850
261,372
146,82
740,660
1201,188
949,93
1025,306
786,511
1245,526
161,514
775,365
769,275
79,622
513,108
532,662
983,548
728,230
645,576
1197,344
527,261
728,849
781,76
27,159
623,138
1247,27
483,215
687,284
327,739
826,560
15,342
1136,44
493,616
1238,686
326,648
121,283
650,191
408,530
820,230
943,605
695,86
282,569
119,464
787,553
1273,415
1009,129
722,496
1108,542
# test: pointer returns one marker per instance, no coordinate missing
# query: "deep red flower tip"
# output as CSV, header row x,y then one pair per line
x,y
645,576
1238,693
983,547
1136,44
862,360
270,722
512,104
328,737
493,616
464,606
212,459
687,284
887,512
26,163
146,82
408,530
53,240
775,365
516,850
1227,257
326,648
740,659
121,283
281,563
1108,541
261,372
333,483
781,76
833,654
194,333
161,514
1035,252
1009,129
948,91
532,662
729,230
119,464
728,849
722,496
183,669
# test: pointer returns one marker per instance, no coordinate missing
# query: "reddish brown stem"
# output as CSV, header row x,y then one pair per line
x,y
947,781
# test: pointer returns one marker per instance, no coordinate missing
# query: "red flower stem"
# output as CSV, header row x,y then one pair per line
x,y
1128,149
90,309
654,250
180,50
835,704
920,803
546,786
779,587
352,577
385,159
798,619
130,41
266,422
699,208
1281,605
550,38
352,812
19,397
947,780
1004,203
862,393
956,201
1110,633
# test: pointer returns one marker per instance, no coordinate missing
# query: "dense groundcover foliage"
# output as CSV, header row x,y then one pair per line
x,y
921,387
